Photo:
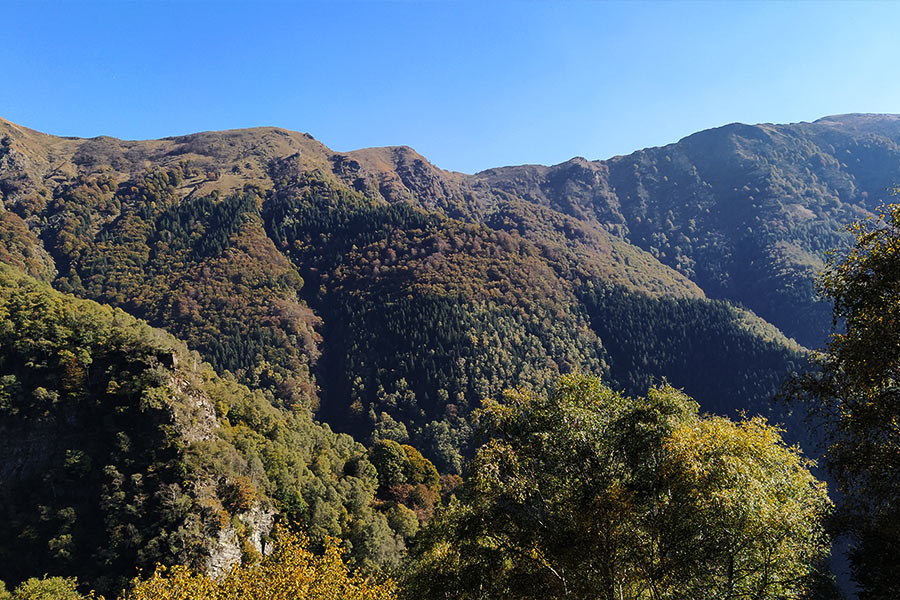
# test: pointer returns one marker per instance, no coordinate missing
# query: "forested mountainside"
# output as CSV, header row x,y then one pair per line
x,y
123,449
391,296
746,212
371,293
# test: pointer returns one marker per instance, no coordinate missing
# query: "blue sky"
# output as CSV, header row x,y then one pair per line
x,y
469,85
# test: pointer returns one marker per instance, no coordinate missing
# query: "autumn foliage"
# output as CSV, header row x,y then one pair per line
x,y
291,572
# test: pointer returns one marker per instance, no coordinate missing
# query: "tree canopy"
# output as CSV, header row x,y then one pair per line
x,y
587,493
856,394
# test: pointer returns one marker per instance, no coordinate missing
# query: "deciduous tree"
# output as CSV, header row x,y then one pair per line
x,y
590,494
855,393
291,572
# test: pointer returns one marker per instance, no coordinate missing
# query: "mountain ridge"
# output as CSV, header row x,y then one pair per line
x,y
845,119
281,261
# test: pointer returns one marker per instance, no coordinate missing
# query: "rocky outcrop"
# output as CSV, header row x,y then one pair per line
x,y
247,532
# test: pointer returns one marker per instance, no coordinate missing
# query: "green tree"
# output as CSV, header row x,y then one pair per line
x,y
408,483
46,588
389,460
855,393
589,494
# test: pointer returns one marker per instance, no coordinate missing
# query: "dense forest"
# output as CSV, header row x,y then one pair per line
x,y
124,449
336,326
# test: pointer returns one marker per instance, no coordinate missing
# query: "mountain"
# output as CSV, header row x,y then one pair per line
x,y
746,212
190,327
391,296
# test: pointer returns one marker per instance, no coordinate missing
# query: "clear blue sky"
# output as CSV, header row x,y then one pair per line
x,y
469,85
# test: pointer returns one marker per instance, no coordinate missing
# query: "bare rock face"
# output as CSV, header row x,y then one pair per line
x,y
249,532
225,553
259,525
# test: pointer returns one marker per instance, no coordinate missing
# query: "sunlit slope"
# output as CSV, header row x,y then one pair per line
x,y
372,286
747,212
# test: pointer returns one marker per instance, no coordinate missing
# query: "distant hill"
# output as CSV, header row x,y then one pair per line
x,y
392,296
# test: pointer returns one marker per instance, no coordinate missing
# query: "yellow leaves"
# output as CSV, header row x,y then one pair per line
x,y
754,485
291,572
588,488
